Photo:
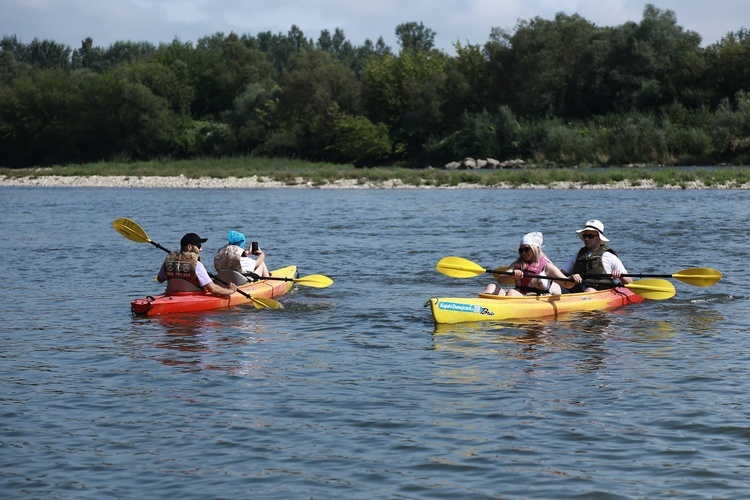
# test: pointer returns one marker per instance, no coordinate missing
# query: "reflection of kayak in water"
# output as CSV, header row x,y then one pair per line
x,y
498,308
183,297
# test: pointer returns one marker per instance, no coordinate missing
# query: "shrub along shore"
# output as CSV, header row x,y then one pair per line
x,y
245,172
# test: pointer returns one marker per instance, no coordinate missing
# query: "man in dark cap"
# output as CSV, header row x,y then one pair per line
x,y
186,265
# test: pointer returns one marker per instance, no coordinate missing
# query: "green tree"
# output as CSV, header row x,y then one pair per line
x,y
407,93
544,67
728,65
358,140
315,88
222,68
36,111
280,48
415,36
89,57
731,128
655,63
43,54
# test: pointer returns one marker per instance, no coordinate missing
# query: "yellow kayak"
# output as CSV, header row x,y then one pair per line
x,y
497,308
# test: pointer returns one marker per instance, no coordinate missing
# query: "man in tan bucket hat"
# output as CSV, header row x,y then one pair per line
x,y
596,257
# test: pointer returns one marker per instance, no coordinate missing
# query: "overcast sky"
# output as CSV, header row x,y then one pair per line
x,y
467,21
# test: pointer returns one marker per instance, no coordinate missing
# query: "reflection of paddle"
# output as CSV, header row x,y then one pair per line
x,y
132,231
457,267
313,280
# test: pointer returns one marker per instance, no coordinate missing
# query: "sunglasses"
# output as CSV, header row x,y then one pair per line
x,y
524,249
589,236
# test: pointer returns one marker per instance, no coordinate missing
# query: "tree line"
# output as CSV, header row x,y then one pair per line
x,y
558,91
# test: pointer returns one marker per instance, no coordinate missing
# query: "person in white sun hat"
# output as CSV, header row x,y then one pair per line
x,y
596,257
531,261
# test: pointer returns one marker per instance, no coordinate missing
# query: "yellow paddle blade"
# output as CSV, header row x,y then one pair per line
x,y
698,276
501,277
260,303
131,230
314,280
654,289
457,267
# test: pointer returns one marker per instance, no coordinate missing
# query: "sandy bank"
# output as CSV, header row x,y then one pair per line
x,y
255,182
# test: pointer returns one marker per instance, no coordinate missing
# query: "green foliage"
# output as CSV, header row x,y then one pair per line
x,y
415,36
359,141
406,93
731,127
557,92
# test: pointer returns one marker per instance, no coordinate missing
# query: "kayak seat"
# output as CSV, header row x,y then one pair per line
x,y
232,276
178,285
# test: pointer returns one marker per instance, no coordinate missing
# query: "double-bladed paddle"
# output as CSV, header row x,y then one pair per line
x,y
696,276
132,231
457,267
313,280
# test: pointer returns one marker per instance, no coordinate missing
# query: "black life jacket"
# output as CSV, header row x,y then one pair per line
x,y
592,264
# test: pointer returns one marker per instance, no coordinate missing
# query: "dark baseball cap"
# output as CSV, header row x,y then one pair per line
x,y
192,239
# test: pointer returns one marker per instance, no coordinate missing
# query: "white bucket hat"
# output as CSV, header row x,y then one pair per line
x,y
534,238
594,225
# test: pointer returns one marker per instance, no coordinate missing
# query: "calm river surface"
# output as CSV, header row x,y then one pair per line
x,y
351,391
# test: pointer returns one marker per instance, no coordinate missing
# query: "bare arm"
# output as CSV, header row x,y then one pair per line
x,y
617,274
554,272
261,256
220,290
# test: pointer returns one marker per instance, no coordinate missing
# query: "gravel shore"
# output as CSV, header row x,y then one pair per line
x,y
256,182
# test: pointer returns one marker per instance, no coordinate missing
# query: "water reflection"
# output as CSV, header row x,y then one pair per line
x,y
205,342
587,338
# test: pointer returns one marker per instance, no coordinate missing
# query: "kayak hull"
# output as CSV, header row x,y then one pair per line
x,y
187,302
496,308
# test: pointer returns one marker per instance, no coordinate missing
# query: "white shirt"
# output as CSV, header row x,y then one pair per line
x,y
248,264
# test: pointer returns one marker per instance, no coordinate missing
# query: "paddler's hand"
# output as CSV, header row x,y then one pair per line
x,y
233,287
576,277
517,274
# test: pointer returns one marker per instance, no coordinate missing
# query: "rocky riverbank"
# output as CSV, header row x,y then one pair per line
x,y
263,182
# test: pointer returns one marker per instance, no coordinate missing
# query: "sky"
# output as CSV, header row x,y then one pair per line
x,y
465,21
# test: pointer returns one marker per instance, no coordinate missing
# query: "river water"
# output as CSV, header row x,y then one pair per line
x,y
351,391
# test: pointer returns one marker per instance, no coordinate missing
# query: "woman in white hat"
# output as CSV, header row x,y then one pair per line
x,y
594,258
531,262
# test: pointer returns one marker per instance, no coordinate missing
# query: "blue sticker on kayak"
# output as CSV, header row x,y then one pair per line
x,y
467,308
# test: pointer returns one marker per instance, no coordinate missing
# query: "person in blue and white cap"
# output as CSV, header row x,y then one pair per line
x,y
527,269
595,257
234,256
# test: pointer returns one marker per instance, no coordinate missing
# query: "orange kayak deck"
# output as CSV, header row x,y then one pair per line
x,y
185,302
496,308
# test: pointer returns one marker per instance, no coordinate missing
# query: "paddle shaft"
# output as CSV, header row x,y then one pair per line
x,y
655,291
525,275
313,280
600,276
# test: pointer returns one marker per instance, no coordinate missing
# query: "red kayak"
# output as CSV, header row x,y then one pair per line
x,y
182,297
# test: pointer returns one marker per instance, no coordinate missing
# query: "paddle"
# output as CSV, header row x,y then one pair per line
x,y
313,280
696,276
132,231
458,267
